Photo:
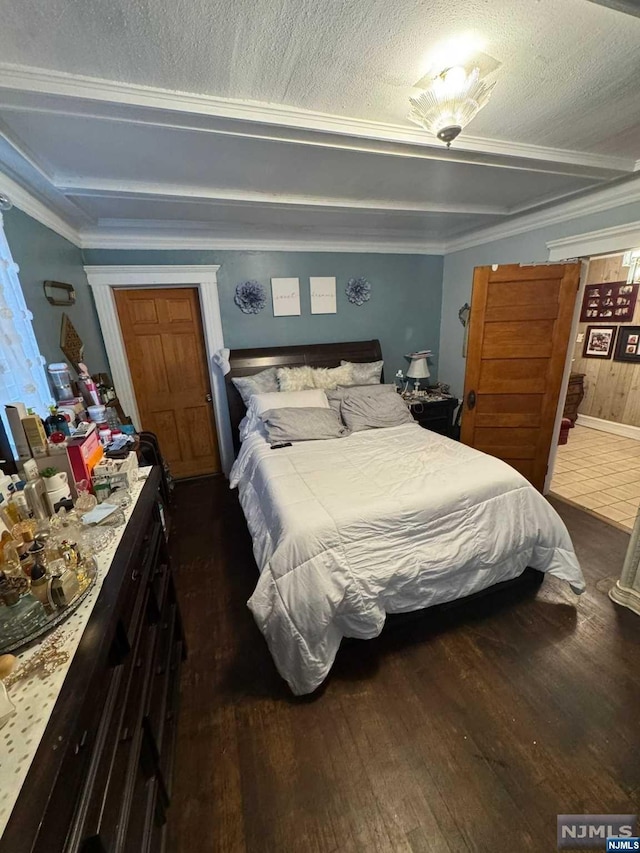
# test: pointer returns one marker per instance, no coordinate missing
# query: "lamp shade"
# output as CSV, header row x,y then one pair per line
x,y
418,369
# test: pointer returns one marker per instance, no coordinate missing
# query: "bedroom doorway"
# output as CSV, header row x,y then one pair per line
x,y
519,330
598,468
164,342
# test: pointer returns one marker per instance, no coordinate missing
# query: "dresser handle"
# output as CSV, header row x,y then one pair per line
x,y
135,574
81,743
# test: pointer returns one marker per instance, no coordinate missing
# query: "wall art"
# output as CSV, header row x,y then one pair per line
x,y
250,297
358,291
323,294
613,300
286,297
628,344
598,341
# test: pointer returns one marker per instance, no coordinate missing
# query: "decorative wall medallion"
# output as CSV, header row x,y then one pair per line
x,y
250,297
358,291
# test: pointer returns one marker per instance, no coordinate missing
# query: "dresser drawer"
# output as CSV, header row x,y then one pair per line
x,y
56,831
134,589
108,809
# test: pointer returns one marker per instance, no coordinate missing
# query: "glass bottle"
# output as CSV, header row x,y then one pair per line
x,y
22,616
40,586
11,507
20,502
6,519
56,422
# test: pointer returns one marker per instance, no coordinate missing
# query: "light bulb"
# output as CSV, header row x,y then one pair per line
x,y
454,78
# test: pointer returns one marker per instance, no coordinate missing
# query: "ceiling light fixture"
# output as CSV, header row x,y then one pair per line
x,y
451,100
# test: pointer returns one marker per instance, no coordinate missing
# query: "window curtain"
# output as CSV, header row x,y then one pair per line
x,y
22,372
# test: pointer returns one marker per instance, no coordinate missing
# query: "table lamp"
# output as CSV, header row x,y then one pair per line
x,y
418,369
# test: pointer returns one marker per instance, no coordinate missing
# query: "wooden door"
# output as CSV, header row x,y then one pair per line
x,y
163,337
519,331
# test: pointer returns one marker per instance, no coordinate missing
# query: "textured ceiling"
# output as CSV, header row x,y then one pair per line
x,y
289,121
569,77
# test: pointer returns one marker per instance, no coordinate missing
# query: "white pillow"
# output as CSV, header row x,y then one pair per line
x,y
288,400
295,378
329,378
260,403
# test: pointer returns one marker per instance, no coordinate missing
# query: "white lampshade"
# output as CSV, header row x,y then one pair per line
x,y
418,369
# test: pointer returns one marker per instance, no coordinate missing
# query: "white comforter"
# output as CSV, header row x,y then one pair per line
x,y
384,521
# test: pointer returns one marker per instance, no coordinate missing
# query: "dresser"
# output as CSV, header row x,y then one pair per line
x,y
100,779
575,395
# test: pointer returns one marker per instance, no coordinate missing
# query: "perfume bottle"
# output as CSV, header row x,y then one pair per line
x,y
40,585
22,616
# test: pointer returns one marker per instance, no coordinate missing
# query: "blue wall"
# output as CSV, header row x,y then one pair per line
x,y
42,254
522,248
403,312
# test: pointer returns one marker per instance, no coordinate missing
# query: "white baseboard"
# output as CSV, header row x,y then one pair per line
x,y
625,596
625,430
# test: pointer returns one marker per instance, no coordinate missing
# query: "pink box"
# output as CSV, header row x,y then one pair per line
x,y
84,454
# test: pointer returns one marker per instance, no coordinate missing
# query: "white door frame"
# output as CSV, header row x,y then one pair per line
x,y
620,238
103,280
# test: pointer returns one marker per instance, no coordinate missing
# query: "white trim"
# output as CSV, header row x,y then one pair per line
x,y
103,279
624,192
98,239
627,589
606,240
30,79
564,385
29,204
626,597
626,430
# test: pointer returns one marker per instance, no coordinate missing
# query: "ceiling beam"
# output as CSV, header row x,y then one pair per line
x,y
38,90
159,192
628,7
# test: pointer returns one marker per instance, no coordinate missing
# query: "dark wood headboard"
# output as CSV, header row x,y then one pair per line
x,y
245,362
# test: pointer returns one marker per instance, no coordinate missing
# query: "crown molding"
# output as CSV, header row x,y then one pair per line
x,y
624,192
32,206
618,238
46,82
112,239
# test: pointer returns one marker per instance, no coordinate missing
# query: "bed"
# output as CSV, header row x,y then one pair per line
x,y
346,531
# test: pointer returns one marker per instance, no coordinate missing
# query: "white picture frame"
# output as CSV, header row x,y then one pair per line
x,y
285,293
322,290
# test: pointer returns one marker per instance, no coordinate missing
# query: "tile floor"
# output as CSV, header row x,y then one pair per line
x,y
600,471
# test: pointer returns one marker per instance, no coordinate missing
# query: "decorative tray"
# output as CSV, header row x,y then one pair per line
x,y
52,620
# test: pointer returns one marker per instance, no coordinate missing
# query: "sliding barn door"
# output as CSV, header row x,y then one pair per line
x,y
518,337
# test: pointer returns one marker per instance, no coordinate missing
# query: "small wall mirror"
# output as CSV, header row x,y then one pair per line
x,y
59,293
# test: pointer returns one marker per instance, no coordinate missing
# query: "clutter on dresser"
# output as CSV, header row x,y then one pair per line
x,y
76,467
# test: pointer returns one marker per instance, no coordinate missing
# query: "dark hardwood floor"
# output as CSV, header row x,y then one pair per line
x,y
468,731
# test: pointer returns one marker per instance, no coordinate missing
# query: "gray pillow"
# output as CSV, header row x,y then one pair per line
x,y
336,396
259,383
366,372
374,412
302,424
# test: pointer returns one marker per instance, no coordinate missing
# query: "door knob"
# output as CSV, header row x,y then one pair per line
x,y
471,400
208,398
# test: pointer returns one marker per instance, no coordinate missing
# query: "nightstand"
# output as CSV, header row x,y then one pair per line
x,y
435,414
